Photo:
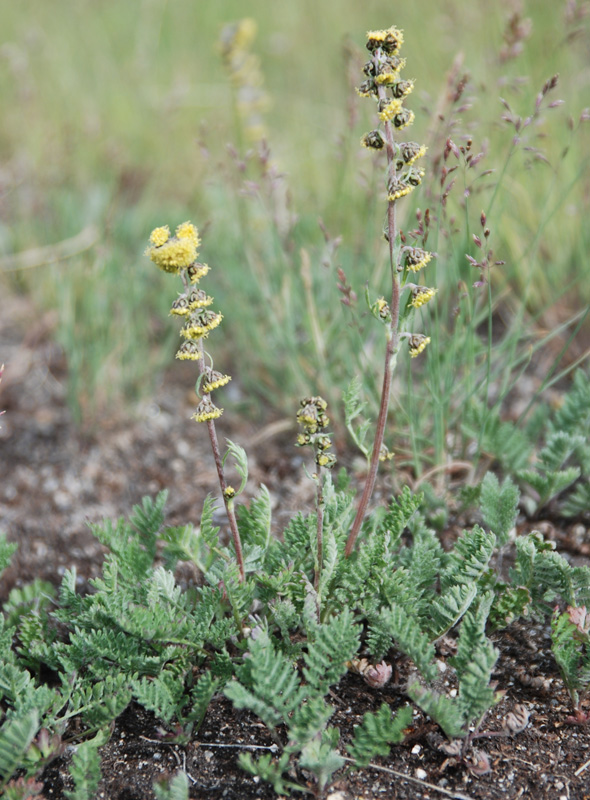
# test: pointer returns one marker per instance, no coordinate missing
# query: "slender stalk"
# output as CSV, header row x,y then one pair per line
x,y
391,348
229,506
320,525
231,515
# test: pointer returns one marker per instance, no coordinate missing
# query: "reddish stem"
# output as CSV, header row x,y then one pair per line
x,y
231,515
320,528
390,350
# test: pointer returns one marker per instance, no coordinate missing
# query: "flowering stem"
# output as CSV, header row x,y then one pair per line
x,y
233,524
229,506
320,524
390,350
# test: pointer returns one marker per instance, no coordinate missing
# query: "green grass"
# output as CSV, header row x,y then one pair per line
x,y
104,109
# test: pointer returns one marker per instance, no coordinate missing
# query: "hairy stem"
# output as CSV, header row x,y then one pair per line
x,y
390,350
229,507
320,523
231,516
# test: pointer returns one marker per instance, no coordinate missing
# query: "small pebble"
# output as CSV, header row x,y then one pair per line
x,y
421,774
416,750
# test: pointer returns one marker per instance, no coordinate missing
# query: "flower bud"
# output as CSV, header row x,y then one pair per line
x,y
373,140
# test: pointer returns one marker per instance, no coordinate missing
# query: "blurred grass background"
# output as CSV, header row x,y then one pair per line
x,y
116,118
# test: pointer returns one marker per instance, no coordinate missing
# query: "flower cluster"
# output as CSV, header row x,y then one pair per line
x,y
178,255
244,72
313,419
174,253
384,83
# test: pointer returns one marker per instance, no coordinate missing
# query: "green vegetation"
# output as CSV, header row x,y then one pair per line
x,y
274,623
140,636
115,118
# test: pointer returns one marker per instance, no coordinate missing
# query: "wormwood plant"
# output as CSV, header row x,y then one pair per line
x,y
276,621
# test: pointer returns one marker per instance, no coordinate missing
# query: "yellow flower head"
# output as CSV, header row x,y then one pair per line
x,y
367,88
317,401
416,258
312,414
403,118
237,36
408,153
206,410
200,323
402,89
189,351
384,453
386,78
413,176
393,64
327,460
188,231
197,271
388,40
213,380
198,299
185,303
174,255
180,306
417,343
229,492
160,236
421,295
373,140
380,308
398,188
392,110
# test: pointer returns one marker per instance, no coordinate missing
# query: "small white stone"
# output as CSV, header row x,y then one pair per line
x,y
416,750
453,693
421,774
442,667
183,448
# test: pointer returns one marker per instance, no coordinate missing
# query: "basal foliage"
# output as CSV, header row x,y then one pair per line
x,y
275,643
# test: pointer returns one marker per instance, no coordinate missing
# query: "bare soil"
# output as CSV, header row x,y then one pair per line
x,y
56,477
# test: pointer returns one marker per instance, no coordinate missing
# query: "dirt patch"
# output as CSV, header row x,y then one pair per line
x,y
550,759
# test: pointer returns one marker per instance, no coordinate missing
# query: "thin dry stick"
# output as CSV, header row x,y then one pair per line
x,y
433,786
49,254
392,343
